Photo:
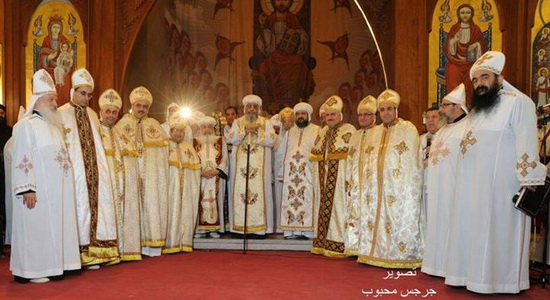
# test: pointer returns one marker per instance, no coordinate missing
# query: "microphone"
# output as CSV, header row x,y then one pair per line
x,y
428,144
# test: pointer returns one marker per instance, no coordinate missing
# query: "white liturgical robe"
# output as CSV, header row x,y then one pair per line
x,y
441,177
260,196
152,147
94,193
391,213
330,153
183,196
356,193
297,202
8,152
489,238
122,159
45,238
212,152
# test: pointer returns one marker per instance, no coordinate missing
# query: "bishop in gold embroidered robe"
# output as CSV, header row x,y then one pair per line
x,y
184,190
391,211
330,154
152,148
212,152
122,160
366,115
257,132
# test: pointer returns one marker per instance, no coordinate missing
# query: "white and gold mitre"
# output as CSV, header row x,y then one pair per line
x,y
176,122
42,84
492,61
207,120
141,93
110,97
334,103
82,77
388,95
368,103
458,96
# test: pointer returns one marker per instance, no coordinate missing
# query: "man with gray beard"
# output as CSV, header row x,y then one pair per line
x,y
45,234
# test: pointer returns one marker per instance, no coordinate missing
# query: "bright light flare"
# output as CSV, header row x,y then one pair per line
x,y
185,112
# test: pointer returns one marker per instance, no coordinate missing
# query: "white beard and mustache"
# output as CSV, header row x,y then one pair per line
x,y
208,139
51,116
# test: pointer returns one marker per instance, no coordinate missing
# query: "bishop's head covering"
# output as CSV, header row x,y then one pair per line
x,y
458,96
322,110
177,122
42,84
252,99
82,77
276,121
334,103
207,120
170,106
21,113
110,97
286,113
388,95
368,103
195,117
304,107
492,61
141,93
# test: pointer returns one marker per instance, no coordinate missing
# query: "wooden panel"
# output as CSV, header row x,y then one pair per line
x,y
411,59
102,44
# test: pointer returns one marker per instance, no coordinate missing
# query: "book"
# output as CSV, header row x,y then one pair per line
x,y
531,202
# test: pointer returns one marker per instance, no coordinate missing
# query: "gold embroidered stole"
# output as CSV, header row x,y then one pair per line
x,y
328,174
89,158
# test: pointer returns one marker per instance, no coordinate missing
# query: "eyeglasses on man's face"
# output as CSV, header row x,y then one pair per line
x,y
85,94
447,104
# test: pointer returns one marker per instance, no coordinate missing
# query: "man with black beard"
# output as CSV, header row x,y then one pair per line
x,y
297,205
5,135
488,250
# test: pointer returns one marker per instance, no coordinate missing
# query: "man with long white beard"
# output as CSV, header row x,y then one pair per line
x,y
297,201
489,238
45,230
123,164
390,235
184,190
366,115
152,147
330,153
255,133
441,178
285,121
94,192
212,152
